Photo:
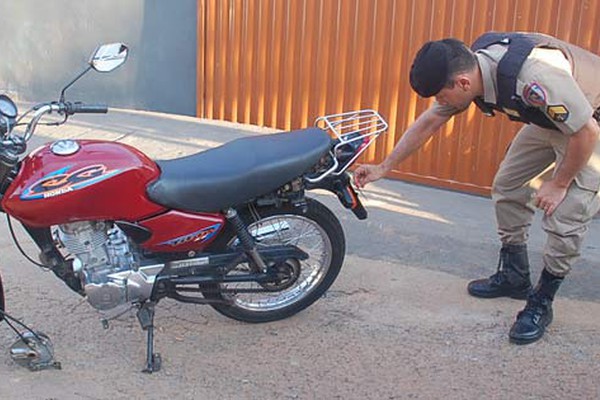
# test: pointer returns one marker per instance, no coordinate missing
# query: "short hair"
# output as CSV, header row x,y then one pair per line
x,y
437,63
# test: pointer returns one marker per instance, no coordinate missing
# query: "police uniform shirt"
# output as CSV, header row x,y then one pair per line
x,y
545,81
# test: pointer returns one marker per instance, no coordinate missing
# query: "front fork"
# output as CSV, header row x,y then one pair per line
x,y
2,304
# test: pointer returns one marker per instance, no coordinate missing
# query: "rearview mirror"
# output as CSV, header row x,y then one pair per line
x,y
108,57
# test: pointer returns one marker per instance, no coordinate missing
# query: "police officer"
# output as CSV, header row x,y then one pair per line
x,y
551,86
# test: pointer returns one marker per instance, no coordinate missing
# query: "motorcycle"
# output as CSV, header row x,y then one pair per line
x,y
230,227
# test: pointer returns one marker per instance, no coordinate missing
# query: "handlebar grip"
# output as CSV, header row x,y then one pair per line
x,y
81,108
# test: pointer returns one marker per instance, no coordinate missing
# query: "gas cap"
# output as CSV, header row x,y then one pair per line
x,y
65,147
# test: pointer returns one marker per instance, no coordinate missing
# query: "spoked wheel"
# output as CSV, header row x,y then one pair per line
x,y
298,283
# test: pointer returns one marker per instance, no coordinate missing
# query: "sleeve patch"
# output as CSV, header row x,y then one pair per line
x,y
558,113
534,95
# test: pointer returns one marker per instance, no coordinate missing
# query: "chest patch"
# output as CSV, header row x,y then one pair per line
x,y
534,95
558,113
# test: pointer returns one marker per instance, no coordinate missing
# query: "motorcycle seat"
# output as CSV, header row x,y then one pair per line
x,y
238,171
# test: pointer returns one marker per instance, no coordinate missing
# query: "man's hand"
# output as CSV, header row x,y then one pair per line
x,y
368,173
415,136
549,196
579,150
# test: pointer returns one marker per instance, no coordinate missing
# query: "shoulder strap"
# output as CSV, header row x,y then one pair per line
x,y
488,39
519,48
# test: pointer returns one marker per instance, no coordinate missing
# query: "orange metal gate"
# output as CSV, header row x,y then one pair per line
x,y
282,63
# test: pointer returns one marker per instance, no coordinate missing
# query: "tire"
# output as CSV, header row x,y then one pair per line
x,y
317,273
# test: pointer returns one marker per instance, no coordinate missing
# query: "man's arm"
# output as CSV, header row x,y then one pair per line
x,y
579,150
414,137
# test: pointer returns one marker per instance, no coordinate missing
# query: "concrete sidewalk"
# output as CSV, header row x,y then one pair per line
x,y
397,324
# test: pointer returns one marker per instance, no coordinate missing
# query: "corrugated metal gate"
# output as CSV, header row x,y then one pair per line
x,y
282,63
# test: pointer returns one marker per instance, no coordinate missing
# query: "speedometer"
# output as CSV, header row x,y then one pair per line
x,y
7,107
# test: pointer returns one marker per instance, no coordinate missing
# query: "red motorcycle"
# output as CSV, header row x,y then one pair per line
x,y
230,227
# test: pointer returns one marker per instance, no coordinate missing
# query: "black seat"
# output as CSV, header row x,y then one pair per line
x,y
238,171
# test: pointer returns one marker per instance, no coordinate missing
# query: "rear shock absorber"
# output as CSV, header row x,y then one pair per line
x,y
248,242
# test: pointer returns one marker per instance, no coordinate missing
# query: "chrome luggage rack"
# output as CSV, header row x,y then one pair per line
x,y
355,131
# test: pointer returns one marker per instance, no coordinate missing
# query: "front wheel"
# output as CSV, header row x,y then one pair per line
x,y
317,232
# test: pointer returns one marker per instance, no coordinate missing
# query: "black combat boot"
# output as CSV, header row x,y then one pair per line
x,y
531,323
510,280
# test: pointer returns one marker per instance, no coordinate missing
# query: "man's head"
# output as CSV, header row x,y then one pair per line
x,y
448,70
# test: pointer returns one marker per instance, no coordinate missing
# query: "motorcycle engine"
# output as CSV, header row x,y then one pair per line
x,y
106,265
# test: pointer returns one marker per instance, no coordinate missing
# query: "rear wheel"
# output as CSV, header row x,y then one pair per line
x,y
300,282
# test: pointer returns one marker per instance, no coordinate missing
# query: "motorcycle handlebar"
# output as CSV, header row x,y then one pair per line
x,y
66,108
78,107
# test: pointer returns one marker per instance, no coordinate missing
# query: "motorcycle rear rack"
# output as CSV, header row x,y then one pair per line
x,y
357,129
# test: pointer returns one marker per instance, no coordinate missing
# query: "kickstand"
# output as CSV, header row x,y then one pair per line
x,y
146,317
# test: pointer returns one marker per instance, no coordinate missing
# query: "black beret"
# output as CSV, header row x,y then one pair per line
x,y
429,71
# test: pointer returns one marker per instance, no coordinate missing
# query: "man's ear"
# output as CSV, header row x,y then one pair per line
x,y
463,82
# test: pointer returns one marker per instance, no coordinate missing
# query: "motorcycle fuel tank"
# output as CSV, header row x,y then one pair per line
x,y
83,180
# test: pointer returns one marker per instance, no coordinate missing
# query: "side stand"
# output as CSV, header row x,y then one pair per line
x,y
146,317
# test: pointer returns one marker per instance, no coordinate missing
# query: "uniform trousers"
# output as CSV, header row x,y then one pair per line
x,y
530,159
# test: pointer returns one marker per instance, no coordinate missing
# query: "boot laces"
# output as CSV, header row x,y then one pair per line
x,y
501,274
499,277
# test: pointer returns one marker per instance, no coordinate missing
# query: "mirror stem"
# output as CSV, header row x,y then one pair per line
x,y
62,94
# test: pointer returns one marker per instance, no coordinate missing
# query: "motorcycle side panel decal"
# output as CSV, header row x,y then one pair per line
x,y
61,181
200,236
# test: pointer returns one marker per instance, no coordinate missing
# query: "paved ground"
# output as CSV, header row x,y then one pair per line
x,y
397,324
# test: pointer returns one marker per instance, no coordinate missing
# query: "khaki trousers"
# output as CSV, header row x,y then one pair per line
x,y
531,159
